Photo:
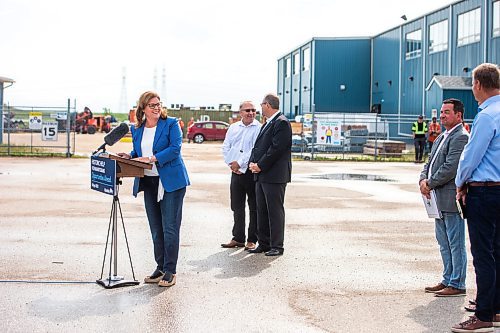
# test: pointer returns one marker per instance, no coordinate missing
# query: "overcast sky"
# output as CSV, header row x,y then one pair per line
x,y
213,51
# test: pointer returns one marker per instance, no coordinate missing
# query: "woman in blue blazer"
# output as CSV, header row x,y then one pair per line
x,y
157,139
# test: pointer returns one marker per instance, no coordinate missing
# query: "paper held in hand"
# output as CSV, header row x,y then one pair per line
x,y
431,206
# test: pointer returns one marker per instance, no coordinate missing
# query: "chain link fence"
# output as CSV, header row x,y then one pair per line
x,y
348,136
38,131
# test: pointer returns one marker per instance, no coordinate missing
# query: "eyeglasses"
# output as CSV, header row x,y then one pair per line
x,y
154,105
248,110
263,103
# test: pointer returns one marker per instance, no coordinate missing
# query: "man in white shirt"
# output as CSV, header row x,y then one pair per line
x,y
236,150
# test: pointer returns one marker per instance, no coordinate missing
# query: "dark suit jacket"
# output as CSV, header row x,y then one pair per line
x,y
272,151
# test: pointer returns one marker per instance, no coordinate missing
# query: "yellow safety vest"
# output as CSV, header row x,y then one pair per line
x,y
416,130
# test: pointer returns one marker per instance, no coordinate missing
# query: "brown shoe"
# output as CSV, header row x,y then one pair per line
x,y
473,324
434,289
232,244
450,292
250,246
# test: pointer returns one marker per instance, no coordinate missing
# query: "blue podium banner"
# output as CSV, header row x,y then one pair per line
x,y
103,175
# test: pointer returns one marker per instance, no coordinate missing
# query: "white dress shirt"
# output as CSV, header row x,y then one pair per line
x,y
239,142
445,136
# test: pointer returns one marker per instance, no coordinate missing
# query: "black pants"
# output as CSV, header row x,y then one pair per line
x,y
483,220
419,148
242,187
270,214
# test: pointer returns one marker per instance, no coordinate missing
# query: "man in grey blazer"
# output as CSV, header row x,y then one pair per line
x,y
439,175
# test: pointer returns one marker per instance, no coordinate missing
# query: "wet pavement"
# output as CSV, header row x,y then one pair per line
x,y
358,253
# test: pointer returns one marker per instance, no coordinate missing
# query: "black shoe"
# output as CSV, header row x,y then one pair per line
x,y
168,280
274,252
259,249
155,277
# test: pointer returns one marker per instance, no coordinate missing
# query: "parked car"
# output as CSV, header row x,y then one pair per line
x,y
207,130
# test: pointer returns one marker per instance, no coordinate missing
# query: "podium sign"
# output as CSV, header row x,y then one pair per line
x,y
103,175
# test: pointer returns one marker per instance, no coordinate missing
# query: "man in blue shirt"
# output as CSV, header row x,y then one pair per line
x,y
478,186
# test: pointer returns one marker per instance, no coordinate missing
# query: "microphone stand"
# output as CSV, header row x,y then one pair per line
x,y
115,281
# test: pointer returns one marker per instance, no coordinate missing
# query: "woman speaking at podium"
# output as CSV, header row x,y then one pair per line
x,y
157,139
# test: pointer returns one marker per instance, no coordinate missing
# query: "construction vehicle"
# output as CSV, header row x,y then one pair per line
x,y
86,122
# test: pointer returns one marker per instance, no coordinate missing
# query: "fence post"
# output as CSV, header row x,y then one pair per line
x,y
313,124
8,129
68,130
376,137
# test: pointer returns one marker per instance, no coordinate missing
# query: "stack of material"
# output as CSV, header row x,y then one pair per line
x,y
385,148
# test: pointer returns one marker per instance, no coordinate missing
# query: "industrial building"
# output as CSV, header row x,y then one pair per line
x,y
400,73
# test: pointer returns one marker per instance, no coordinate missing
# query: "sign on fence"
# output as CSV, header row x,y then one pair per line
x,y
35,121
328,132
49,131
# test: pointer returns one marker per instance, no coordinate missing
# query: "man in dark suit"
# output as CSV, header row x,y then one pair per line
x,y
271,165
439,175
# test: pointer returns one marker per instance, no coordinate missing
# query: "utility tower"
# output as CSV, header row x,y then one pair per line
x,y
155,80
164,85
123,96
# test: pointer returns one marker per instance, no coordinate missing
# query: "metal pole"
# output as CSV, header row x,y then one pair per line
x,y
115,236
314,132
376,137
68,130
1,113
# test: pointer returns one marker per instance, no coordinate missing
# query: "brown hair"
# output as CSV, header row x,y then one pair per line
x,y
488,75
141,105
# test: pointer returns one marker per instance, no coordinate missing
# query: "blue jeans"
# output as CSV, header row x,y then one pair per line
x,y
483,220
450,235
165,222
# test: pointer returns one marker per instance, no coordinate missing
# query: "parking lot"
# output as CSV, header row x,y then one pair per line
x,y
359,249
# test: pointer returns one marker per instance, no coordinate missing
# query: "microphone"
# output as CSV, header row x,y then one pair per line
x,y
114,136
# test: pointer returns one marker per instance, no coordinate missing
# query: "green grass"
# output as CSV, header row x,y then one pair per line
x,y
27,151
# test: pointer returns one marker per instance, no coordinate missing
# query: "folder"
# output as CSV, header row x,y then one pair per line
x,y
431,206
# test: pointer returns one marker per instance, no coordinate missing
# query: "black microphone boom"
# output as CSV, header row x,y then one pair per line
x,y
114,136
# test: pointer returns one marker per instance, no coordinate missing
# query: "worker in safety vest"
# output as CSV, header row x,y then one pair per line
x,y
419,130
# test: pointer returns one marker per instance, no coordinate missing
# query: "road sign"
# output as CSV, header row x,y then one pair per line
x,y
35,120
49,131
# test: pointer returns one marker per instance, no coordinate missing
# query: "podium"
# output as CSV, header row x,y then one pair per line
x,y
122,168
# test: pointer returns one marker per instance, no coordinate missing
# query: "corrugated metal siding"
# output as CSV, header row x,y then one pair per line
x,y
295,91
467,56
288,89
281,82
305,84
436,62
434,100
385,69
342,62
467,97
411,90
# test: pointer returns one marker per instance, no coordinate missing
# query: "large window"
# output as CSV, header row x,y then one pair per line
x,y
469,27
296,63
287,67
306,58
496,18
438,36
414,44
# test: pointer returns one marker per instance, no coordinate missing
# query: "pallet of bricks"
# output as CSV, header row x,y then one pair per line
x,y
356,139
384,148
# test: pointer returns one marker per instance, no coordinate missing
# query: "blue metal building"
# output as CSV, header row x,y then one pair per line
x,y
448,42
331,73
